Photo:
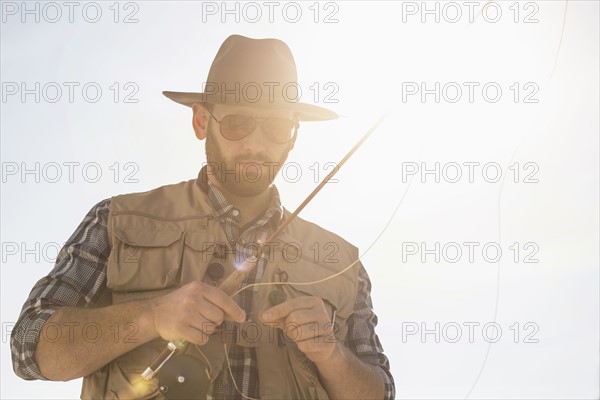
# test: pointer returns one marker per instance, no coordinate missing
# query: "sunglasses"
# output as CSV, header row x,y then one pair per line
x,y
237,127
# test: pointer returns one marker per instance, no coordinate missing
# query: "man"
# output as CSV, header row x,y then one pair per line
x,y
146,268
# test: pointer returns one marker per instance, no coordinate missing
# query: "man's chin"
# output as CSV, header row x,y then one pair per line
x,y
250,178
246,189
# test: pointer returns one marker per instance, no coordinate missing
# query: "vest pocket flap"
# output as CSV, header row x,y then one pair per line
x,y
342,305
200,241
338,291
147,237
144,260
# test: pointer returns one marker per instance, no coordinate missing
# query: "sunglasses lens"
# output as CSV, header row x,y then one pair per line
x,y
236,127
279,129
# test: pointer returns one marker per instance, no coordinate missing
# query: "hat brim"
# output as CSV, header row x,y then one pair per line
x,y
304,111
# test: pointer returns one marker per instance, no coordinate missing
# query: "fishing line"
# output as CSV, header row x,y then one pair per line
x,y
489,348
329,277
232,377
562,31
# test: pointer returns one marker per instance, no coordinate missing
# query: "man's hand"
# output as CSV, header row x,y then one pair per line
x,y
193,312
306,322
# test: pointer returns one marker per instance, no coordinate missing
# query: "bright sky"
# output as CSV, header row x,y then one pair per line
x,y
492,140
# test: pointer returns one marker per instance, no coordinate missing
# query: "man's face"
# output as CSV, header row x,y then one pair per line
x,y
245,167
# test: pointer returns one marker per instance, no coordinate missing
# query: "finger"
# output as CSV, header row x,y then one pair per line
x,y
198,310
210,311
202,324
311,331
281,311
193,335
307,316
233,312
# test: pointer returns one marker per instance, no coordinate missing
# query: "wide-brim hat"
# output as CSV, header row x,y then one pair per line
x,y
254,73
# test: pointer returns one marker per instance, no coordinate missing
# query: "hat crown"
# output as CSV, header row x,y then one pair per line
x,y
243,61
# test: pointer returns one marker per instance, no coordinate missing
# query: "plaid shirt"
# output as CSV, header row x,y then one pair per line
x,y
79,280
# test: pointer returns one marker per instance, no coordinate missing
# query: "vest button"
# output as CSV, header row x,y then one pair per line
x,y
276,297
215,271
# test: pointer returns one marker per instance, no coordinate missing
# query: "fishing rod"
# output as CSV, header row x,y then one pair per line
x,y
232,282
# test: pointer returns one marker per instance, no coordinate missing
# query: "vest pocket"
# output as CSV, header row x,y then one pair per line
x,y
342,311
304,374
122,379
338,293
126,380
200,250
144,259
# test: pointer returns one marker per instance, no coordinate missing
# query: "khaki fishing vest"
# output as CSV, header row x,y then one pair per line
x,y
166,237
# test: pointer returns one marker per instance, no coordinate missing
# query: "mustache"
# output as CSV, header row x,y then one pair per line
x,y
259,158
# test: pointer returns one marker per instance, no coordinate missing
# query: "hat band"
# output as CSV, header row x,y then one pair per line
x,y
251,93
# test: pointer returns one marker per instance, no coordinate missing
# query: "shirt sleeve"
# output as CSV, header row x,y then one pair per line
x,y
361,338
78,279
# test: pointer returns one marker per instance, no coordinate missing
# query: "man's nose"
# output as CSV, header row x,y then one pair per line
x,y
256,141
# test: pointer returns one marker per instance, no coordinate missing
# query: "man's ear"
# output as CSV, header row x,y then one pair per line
x,y
200,120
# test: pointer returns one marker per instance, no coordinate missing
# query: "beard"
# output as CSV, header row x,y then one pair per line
x,y
245,175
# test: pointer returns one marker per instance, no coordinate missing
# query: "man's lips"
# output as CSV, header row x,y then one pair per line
x,y
259,162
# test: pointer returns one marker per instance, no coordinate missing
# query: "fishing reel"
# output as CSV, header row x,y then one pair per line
x,y
183,377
